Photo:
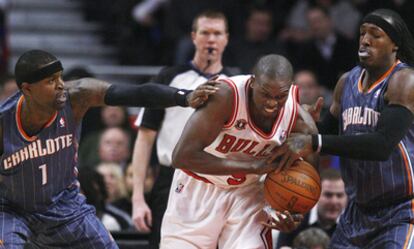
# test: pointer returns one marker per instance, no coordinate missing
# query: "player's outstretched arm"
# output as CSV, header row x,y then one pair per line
x,y
201,130
378,145
89,92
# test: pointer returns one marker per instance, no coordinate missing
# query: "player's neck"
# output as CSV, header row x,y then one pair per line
x,y
373,74
207,67
34,119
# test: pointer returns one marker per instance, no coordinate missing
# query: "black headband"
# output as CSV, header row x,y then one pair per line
x,y
384,25
40,73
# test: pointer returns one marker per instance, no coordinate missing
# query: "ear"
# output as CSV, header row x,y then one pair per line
x,y
252,81
395,48
193,34
26,88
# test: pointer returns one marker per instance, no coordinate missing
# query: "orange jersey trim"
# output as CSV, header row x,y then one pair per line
x,y
377,82
407,168
19,121
407,238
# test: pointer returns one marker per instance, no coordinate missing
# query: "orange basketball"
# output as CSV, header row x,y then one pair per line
x,y
296,189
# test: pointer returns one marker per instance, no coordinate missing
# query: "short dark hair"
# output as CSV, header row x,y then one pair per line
x,y
31,61
273,66
212,14
405,51
330,174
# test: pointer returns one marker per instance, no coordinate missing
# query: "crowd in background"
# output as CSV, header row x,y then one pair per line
x,y
319,37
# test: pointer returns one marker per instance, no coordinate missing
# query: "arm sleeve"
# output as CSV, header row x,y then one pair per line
x,y
152,118
146,95
329,124
393,124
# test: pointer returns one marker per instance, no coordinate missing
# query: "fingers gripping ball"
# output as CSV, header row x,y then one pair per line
x,y
296,189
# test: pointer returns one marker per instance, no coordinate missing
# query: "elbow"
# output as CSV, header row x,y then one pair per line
x,y
178,159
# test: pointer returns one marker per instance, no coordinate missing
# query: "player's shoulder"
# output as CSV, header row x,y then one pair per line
x,y
10,102
404,77
237,79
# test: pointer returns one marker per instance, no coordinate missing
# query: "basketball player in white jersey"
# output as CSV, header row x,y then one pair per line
x,y
216,198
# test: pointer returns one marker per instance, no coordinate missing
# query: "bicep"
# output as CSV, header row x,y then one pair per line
x,y
86,93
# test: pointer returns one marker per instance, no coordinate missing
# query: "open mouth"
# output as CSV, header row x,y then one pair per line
x,y
363,53
61,98
270,110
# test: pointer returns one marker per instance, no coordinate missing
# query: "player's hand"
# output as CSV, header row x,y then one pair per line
x,y
315,109
200,95
261,167
300,144
142,216
284,157
284,222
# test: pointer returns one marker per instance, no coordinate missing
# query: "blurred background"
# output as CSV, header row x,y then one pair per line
x,y
129,41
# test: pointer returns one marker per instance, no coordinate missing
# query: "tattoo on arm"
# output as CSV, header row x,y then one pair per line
x,y
86,93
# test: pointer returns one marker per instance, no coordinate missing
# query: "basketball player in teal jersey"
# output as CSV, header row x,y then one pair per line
x,y
372,112
39,131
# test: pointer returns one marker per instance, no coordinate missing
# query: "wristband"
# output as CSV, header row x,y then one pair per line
x,y
319,143
181,97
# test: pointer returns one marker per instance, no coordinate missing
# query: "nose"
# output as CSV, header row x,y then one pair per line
x,y
364,40
271,102
60,84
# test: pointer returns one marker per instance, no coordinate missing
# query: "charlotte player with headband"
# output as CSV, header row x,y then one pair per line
x,y
372,111
39,129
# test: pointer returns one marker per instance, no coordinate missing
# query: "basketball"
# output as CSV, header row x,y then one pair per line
x,y
296,189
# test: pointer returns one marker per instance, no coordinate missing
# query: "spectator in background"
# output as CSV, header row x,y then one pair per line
x,y
8,86
311,238
257,41
297,27
111,116
114,181
93,187
327,53
309,88
326,213
209,36
116,192
126,203
114,146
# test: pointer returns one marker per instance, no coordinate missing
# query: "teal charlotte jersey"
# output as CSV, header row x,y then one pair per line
x,y
374,183
39,193
35,170
380,208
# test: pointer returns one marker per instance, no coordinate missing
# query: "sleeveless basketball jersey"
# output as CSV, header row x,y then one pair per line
x,y
241,139
374,183
35,170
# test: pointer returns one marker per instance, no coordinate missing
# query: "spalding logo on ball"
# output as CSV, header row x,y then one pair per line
x,y
296,189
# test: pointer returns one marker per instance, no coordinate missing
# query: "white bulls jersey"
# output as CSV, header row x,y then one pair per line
x,y
240,139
